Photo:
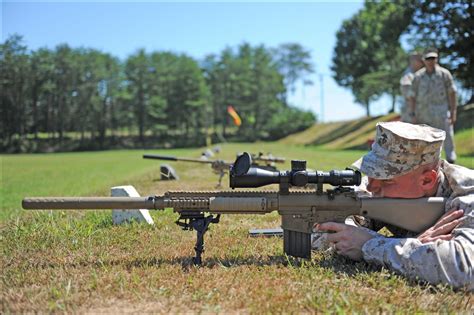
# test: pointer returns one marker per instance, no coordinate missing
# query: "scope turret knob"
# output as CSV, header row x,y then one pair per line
x,y
298,165
299,179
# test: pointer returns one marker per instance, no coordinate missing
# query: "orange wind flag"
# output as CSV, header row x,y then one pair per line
x,y
235,116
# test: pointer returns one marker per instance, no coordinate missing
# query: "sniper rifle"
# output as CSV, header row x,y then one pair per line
x,y
299,209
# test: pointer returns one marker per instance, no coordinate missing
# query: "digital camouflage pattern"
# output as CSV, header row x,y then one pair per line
x,y
399,148
447,262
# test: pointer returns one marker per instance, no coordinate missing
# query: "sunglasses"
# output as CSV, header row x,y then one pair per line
x,y
430,58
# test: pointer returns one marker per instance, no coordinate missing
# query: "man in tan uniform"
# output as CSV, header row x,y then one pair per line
x,y
415,63
432,100
405,163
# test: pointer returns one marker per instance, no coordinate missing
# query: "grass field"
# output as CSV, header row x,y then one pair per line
x,y
76,261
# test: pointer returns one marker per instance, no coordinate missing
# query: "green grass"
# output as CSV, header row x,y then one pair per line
x,y
464,140
77,263
73,261
69,174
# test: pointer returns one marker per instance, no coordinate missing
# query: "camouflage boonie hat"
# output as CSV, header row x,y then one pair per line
x,y
399,148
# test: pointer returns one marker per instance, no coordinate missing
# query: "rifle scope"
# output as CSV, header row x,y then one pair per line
x,y
244,176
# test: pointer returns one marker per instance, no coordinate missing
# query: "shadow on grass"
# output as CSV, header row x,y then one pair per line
x,y
158,179
342,265
186,263
336,264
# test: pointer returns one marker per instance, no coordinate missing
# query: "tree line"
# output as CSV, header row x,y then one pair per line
x,y
154,97
369,58
164,98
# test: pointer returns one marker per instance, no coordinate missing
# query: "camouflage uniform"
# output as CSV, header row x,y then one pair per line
x,y
432,107
399,149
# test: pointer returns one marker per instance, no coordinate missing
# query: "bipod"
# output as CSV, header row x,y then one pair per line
x,y
200,223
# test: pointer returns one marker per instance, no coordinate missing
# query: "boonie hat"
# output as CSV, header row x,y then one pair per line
x,y
399,148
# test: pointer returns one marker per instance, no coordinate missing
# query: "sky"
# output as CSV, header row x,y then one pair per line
x,y
197,29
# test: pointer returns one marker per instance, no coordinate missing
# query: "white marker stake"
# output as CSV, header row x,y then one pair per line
x,y
120,216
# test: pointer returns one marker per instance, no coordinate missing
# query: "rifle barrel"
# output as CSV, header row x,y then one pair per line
x,y
90,203
173,158
269,159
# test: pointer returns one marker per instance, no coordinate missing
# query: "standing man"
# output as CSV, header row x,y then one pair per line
x,y
432,100
415,63
405,163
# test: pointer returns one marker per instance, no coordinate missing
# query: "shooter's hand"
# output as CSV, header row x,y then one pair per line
x,y
443,228
347,239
